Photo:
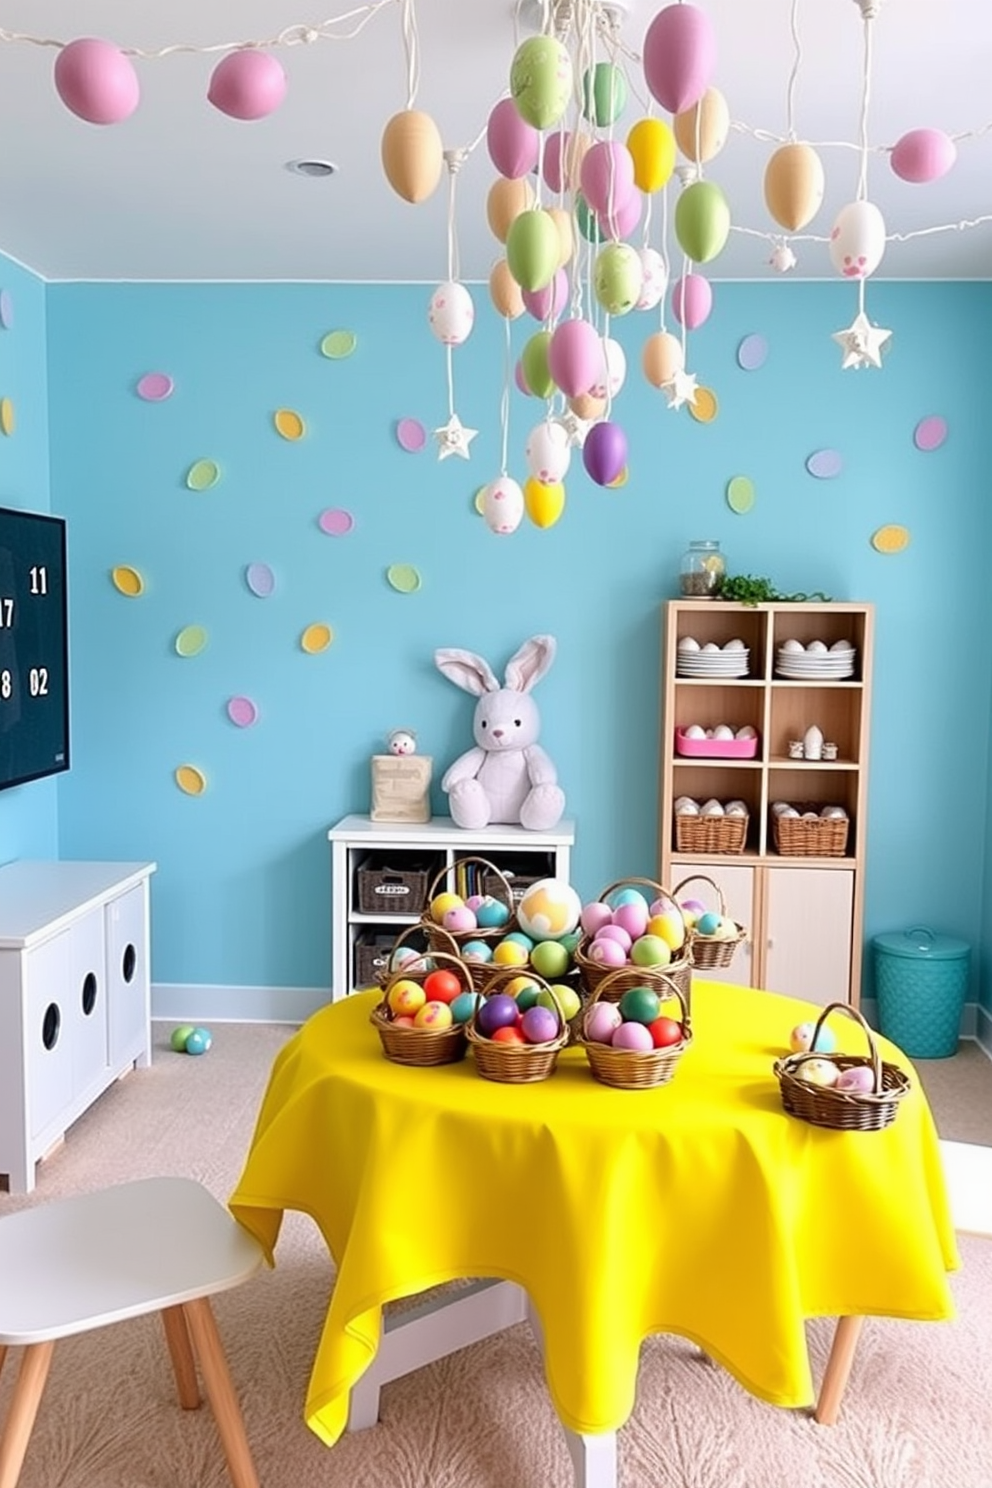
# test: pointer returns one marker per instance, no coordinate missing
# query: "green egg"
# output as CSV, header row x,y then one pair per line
x,y
640,1005
617,277
702,221
604,93
534,360
179,1037
533,248
587,220
541,80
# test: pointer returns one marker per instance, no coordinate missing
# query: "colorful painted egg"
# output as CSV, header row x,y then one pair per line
x,y
652,147
607,175
857,240
654,279
613,373
574,356
541,80
513,143
506,200
504,291
701,131
923,155
498,1011
632,1036
617,278
503,505
661,358
607,953
451,314
549,908
679,54
492,913
604,94
476,950
594,916
702,220
618,933
539,1025
412,154
640,1005
548,452
534,364
632,917
794,185
601,1022
464,1006
532,249
544,502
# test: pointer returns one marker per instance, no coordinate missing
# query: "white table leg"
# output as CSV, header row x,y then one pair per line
x,y
594,1458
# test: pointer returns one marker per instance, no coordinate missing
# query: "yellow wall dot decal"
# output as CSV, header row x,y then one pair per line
x,y
7,420
191,780
316,638
619,480
337,344
127,580
479,501
191,640
403,577
705,408
202,475
289,423
890,539
740,494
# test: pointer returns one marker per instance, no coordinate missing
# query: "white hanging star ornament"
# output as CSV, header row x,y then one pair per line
x,y
454,439
861,343
680,388
576,428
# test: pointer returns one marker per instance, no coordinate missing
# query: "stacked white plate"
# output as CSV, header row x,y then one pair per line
x,y
726,661
804,665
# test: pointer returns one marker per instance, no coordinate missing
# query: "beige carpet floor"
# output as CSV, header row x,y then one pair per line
x,y
918,1413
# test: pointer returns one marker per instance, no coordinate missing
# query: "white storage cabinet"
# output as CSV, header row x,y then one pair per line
x,y
74,998
430,847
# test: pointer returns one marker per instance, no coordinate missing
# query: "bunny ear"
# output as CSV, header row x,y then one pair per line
x,y
466,670
530,663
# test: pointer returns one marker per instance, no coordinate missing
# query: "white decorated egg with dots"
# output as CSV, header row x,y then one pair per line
x,y
503,505
451,314
548,452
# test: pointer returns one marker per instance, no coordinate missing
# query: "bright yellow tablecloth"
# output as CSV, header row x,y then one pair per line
x,y
698,1208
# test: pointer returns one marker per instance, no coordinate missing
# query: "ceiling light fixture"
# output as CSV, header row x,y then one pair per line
x,y
318,169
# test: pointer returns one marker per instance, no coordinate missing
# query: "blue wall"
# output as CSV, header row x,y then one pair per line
x,y
242,895
28,813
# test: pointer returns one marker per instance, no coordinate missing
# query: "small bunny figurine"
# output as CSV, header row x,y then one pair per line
x,y
507,777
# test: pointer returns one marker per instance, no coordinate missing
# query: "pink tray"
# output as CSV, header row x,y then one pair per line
x,y
716,748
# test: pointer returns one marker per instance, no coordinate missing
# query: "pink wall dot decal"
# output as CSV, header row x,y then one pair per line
x,y
825,464
411,435
335,521
930,432
6,309
154,387
260,579
752,352
242,711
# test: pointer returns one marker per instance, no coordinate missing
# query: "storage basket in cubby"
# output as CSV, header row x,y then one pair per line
x,y
591,973
710,834
383,891
708,952
515,1064
810,837
843,1110
451,941
637,1069
420,1046
372,960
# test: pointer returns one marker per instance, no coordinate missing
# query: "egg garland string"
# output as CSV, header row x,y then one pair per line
x,y
451,316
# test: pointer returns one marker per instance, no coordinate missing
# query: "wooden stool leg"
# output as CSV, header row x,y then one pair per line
x,y
220,1392
838,1368
3,1355
24,1404
181,1354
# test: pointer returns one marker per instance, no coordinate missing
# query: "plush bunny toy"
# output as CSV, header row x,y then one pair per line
x,y
507,777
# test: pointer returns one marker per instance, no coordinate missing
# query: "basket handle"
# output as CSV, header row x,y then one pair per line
x,y
702,878
856,1016
507,974
460,863
651,975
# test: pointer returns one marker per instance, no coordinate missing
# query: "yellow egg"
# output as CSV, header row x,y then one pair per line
x,y
511,953
818,1072
519,984
441,903
669,926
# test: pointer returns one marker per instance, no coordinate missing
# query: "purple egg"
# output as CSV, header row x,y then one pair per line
x,y
539,1025
601,1022
594,916
618,932
632,1036
498,1011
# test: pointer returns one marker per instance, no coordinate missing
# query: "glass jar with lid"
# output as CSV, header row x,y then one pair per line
x,y
702,570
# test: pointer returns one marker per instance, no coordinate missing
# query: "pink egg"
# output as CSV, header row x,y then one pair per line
x,y
475,901
632,1036
247,84
632,917
594,916
618,933
923,155
539,1025
601,1022
459,918
694,906
858,1078
607,953
96,81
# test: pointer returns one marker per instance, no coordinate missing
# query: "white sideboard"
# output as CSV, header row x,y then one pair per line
x,y
74,998
429,847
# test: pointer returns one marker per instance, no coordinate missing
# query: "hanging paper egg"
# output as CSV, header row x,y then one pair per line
x,y
506,200
545,501
585,406
532,247
451,313
513,143
566,243
625,216
549,302
564,152
574,356
702,130
541,80
692,300
679,55
534,362
661,358
247,84
604,453
652,147
604,94
857,240
617,278
794,185
587,220
503,505
702,221
504,291
412,154
548,452
96,81
607,175
613,371
654,279
923,155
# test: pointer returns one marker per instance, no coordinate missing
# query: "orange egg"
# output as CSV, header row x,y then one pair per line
x,y
508,1035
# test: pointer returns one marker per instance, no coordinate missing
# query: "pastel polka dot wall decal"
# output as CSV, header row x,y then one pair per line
x,y
752,352
191,780
191,640
411,435
335,521
289,423
128,580
242,711
824,464
403,577
8,423
890,539
338,344
479,501
6,309
705,407
740,494
202,475
260,579
620,480
930,433
316,638
154,387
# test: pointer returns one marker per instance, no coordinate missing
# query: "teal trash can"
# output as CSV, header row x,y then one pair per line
x,y
921,980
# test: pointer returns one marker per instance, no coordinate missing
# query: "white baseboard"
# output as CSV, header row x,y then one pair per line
x,y
183,1002
983,1030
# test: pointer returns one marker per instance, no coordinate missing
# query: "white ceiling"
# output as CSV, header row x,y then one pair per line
x,y
180,191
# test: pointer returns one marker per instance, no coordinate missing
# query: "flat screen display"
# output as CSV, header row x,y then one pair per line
x,y
34,661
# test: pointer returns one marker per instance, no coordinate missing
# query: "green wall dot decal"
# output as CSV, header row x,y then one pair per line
x,y
403,577
338,344
191,640
202,475
740,494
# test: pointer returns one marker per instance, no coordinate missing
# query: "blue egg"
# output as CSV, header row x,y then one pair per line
x,y
491,914
520,938
464,1005
476,950
825,1041
708,923
626,896
199,1041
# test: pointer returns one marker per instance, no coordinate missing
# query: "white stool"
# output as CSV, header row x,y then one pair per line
x,y
160,1244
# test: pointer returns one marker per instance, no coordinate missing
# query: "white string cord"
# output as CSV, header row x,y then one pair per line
x,y
862,194
411,43
797,53
504,402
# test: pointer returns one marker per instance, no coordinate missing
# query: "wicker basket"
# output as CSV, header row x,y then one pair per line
x,y
420,1046
635,1069
710,834
451,941
843,1110
515,1064
707,952
804,837
591,973
385,891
